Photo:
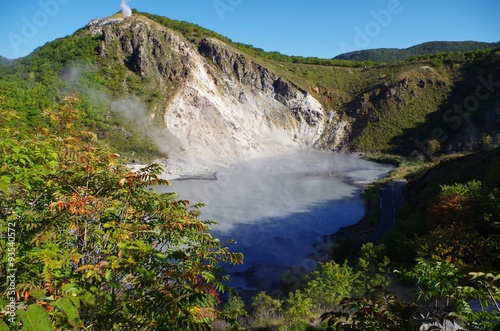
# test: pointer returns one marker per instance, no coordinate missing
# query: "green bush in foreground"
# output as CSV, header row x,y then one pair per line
x,y
92,246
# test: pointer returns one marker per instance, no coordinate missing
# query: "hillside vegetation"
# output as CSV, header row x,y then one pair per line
x,y
396,107
432,47
424,191
391,108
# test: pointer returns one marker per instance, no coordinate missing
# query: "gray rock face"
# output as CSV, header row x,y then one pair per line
x,y
253,75
221,106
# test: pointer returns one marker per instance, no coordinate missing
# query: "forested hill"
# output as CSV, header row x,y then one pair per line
x,y
432,47
332,104
4,61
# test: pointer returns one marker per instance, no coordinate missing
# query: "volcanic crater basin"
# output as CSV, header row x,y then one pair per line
x,y
277,208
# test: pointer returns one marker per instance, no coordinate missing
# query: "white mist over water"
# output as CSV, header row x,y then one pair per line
x,y
276,186
277,207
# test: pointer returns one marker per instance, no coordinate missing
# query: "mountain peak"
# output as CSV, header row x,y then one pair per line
x,y
431,47
252,111
95,26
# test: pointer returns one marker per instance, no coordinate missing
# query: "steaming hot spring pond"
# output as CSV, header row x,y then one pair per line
x,y
279,210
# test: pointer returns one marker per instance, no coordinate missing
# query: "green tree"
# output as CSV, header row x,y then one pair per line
x,y
330,283
462,224
379,310
450,290
485,287
233,310
94,246
297,307
264,306
372,269
436,280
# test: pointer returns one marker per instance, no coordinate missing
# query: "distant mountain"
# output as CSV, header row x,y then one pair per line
x,y
432,47
4,61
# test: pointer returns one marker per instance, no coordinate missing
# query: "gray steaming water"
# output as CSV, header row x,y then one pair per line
x,y
277,208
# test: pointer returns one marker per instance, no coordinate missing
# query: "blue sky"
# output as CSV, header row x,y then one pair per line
x,y
321,28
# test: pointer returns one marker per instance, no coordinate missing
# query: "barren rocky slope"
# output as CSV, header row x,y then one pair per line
x,y
220,105
207,101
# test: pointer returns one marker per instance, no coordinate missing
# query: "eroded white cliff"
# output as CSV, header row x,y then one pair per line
x,y
220,106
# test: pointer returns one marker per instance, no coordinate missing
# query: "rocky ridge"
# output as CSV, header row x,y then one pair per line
x,y
221,106
217,104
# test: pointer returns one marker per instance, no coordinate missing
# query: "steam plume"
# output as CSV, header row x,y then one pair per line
x,y
126,11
